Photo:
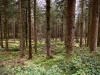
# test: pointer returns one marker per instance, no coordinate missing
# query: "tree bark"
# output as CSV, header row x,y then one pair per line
x,y
70,26
48,29
35,28
1,38
6,26
94,26
98,43
77,30
89,21
29,19
81,24
21,29
26,27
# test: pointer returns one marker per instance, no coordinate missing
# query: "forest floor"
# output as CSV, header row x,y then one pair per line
x,y
81,63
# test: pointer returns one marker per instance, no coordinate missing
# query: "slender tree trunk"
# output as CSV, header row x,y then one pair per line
x,y
61,34
89,22
64,21
94,26
6,26
48,29
1,38
85,30
77,29
21,30
35,28
29,23
81,25
70,26
26,36
14,30
56,33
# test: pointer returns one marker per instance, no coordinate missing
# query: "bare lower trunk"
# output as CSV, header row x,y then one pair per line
x,y
35,28
94,26
1,38
81,24
21,30
6,27
99,27
29,22
70,26
89,22
26,28
48,29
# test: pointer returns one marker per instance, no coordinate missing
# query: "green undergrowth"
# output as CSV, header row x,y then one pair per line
x,y
82,62
78,64
8,56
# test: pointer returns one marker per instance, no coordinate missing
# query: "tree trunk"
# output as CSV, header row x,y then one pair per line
x,y
89,22
26,28
77,29
70,26
1,38
81,25
21,30
6,26
64,21
29,22
99,27
14,30
35,28
48,29
94,27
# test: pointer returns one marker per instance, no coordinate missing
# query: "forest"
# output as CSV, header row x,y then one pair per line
x,y
49,37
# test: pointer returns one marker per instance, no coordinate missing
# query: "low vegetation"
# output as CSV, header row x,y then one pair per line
x,y
82,62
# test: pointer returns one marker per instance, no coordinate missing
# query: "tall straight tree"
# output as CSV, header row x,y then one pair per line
x,y
29,23
99,27
48,29
35,28
81,25
26,26
21,29
94,26
6,25
89,21
1,38
70,26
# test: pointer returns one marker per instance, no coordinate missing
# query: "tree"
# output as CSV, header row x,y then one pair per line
x,y
89,21
5,24
99,27
81,24
1,38
94,27
1,31
48,29
29,23
35,28
21,28
77,29
70,26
